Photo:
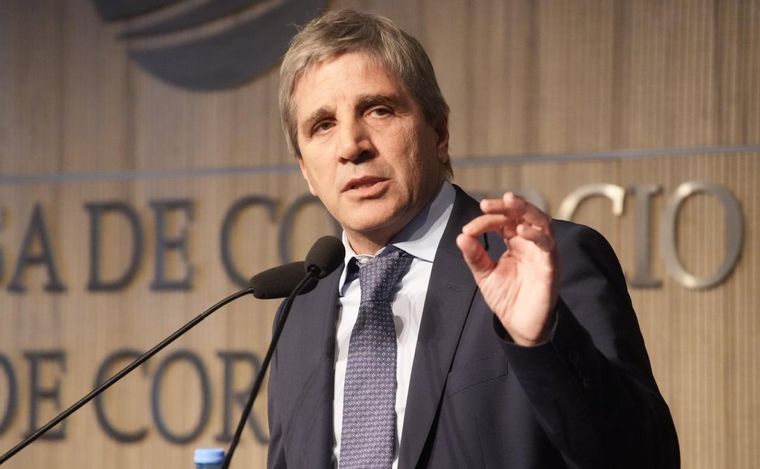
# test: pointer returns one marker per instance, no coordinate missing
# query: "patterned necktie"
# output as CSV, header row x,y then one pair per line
x,y
368,436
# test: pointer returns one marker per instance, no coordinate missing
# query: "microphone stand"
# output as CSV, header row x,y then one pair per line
x,y
125,371
311,274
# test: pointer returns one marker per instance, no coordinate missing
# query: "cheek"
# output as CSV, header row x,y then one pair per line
x,y
416,158
319,180
314,176
407,150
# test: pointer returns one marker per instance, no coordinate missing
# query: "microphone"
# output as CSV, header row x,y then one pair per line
x,y
325,256
322,259
282,281
279,281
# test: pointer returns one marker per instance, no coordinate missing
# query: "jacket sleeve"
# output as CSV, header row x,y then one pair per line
x,y
591,384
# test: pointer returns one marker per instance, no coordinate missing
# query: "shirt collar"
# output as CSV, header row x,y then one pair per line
x,y
421,236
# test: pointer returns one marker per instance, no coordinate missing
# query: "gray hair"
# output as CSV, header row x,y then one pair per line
x,y
341,31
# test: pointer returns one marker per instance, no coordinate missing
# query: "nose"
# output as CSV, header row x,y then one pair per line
x,y
354,142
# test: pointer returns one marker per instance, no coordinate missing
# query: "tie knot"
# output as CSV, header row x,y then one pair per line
x,y
379,276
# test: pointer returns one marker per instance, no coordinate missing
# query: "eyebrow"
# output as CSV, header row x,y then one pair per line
x,y
315,117
363,102
392,100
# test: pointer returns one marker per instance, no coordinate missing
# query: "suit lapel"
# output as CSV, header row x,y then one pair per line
x,y
309,440
447,304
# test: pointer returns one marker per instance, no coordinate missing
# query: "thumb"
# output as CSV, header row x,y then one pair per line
x,y
475,256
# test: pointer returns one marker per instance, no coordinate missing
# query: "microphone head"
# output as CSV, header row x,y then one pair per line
x,y
279,281
325,256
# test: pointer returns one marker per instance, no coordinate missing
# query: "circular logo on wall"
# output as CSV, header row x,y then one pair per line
x,y
208,45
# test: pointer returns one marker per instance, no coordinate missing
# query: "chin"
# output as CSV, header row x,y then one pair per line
x,y
368,226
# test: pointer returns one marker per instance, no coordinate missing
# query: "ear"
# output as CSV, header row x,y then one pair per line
x,y
442,142
305,174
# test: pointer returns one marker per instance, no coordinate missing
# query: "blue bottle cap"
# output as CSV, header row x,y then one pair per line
x,y
209,456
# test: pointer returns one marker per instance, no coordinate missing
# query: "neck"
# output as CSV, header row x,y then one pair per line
x,y
365,244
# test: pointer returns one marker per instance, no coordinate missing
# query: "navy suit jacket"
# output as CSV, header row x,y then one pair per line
x,y
585,399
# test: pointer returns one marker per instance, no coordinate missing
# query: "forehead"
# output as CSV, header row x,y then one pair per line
x,y
343,77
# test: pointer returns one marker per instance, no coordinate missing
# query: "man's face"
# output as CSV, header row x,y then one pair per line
x,y
366,149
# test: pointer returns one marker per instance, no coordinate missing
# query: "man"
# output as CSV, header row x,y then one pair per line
x,y
513,343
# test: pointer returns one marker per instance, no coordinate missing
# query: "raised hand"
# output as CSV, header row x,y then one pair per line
x,y
521,286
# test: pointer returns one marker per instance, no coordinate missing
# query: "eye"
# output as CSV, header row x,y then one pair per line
x,y
380,111
322,126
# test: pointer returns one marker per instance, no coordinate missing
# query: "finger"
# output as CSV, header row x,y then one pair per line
x,y
543,240
509,201
510,228
485,223
497,206
517,208
475,256
528,211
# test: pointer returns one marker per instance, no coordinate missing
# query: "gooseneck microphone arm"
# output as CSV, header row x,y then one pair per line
x,y
277,282
264,366
323,258
124,371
